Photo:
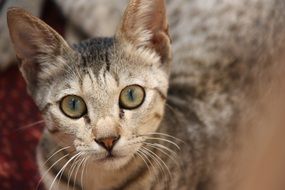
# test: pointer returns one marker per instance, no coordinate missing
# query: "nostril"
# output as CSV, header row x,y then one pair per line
x,y
108,142
100,142
116,139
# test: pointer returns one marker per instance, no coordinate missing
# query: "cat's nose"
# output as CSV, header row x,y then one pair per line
x,y
108,143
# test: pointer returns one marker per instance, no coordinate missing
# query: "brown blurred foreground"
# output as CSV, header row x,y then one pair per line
x,y
258,161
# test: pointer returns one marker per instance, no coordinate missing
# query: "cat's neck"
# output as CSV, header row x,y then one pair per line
x,y
100,178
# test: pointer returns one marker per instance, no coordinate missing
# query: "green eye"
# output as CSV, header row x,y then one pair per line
x,y
132,97
73,106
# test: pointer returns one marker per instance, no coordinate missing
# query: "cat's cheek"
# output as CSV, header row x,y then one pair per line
x,y
129,124
82,146
63,139
52,128
146,129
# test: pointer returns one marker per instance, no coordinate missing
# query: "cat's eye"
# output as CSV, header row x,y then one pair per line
x,y
131,97
73,106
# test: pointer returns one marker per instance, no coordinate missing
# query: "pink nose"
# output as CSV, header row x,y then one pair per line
x,y
108,143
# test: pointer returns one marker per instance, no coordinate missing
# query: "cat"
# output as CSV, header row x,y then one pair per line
x,y
135,112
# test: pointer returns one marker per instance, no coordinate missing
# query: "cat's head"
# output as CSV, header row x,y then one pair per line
x,y
103,96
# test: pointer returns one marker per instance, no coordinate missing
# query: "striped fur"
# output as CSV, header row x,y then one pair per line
x,y
190,117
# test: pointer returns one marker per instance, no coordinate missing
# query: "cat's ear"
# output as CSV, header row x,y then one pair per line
x,y
38,47
145,25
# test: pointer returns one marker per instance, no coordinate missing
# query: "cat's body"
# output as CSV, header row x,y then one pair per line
x,y
214,61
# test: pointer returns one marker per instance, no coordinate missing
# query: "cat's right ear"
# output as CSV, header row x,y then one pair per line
x,y
144,25
38,47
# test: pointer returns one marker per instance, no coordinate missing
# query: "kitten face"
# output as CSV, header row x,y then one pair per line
x,y
104,96
100,84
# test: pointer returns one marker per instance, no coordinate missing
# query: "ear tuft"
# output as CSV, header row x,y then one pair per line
x,y
145,25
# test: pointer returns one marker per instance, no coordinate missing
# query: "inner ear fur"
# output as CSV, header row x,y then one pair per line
x,y
145,25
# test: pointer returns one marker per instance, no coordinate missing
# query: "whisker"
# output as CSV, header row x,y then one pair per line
x,y
170,107
162,139
76,173
146,152
60,175
61,170
29,125
139,155
163,147
47,171
154,154
74,164
166,135
174,111
58,151
143,154
163,152
58,181
83,170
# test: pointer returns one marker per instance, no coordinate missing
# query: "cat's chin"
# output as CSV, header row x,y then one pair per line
x,y
113,163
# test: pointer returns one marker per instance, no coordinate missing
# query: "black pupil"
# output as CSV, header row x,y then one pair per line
x,y
131,94
73,104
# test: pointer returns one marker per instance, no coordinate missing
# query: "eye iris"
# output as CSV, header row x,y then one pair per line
x,y
132,97
73,106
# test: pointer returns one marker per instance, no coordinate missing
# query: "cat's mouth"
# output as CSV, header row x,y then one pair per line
x,y
110,157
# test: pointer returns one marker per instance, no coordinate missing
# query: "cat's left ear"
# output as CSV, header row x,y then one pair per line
x,y
145,25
